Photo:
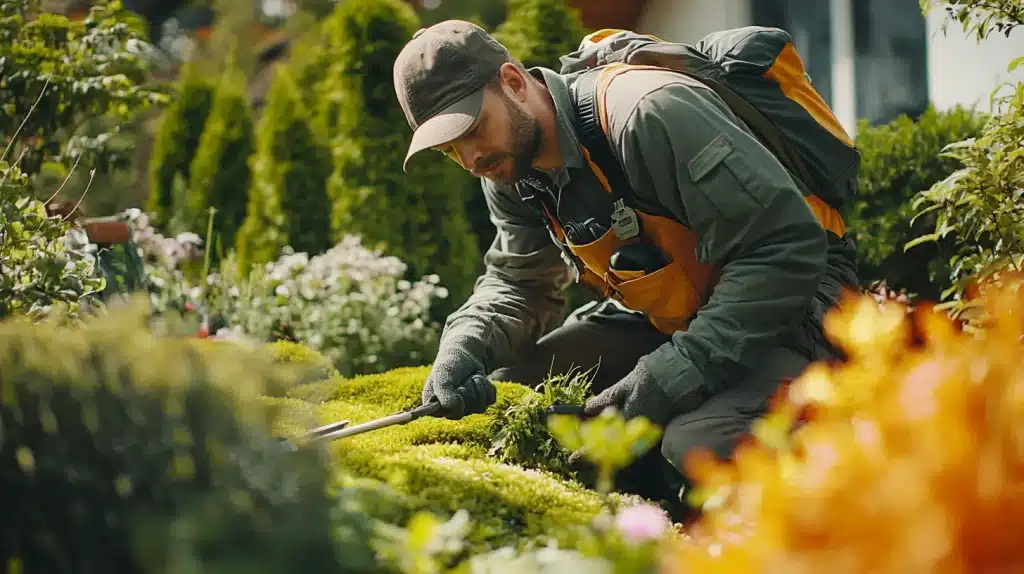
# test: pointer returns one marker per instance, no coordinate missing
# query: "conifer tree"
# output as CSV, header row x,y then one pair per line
x,y
288,204
220,175
420,216
174,148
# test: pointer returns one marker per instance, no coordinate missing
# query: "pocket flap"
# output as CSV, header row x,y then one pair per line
x,y
709,157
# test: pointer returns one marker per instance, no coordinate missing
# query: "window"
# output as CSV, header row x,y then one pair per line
x,y
890,47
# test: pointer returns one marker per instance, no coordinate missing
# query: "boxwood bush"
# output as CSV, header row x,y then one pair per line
x,y
124,452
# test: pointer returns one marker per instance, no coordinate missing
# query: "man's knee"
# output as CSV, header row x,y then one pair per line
x,y
715,436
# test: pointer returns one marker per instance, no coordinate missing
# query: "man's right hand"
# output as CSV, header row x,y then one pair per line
x,y
458,383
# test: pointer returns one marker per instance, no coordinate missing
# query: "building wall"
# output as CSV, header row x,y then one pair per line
x,y
965,71
870,59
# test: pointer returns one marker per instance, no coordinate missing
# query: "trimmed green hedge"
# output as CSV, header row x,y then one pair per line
x,y
899,159
441,465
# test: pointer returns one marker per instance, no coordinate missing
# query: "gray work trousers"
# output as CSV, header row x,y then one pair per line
x,y
610,339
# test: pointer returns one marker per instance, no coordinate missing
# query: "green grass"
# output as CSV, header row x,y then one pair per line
x,y
437,464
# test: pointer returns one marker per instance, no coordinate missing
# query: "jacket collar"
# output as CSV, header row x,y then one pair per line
x,y
568,142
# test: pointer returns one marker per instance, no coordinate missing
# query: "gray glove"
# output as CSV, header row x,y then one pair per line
x,y
457,381
637,394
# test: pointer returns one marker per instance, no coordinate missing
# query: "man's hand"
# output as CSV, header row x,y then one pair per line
x,y
458,383
637,394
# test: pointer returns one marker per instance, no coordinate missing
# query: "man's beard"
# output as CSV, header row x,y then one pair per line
x,y
525,142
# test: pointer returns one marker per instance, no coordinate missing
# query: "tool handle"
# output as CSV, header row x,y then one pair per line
x,y
430,409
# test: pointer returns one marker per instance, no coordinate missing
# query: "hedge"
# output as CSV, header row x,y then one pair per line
x,y
900,159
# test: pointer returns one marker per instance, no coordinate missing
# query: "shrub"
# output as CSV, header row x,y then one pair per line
x,y
898,160
352,304
174,149
59,75
288,204
38,269
220,176
123,452
418,216
539,32
978,207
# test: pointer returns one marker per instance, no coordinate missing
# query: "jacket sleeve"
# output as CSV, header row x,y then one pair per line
x,y
683,149
518,297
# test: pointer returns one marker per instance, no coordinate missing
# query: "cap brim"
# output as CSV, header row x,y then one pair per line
x,y
446,126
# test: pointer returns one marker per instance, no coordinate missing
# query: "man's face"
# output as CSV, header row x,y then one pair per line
x,y
503,143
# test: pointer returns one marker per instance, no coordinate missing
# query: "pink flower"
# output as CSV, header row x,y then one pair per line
x,y
642,522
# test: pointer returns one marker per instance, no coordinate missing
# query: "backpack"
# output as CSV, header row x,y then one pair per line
x,y
757,73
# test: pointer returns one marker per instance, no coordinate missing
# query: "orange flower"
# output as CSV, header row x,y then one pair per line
x,y
911,460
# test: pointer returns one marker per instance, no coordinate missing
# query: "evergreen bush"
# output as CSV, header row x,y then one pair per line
x,y
124,452
539,32
288,203
419,216
175,146
900,159
220,175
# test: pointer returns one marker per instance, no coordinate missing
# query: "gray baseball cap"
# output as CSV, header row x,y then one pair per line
x,y
440,77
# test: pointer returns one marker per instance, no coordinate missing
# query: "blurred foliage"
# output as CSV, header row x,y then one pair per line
x,y
70,73
167,466
898,160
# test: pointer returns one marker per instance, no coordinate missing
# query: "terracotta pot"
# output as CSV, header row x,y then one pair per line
x,y
107,232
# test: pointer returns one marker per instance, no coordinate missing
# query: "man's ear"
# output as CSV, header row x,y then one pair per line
x,y
513,81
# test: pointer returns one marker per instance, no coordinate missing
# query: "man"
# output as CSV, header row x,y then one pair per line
x,y
738,309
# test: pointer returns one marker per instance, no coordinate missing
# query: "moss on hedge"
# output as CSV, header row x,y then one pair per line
x,y
438,464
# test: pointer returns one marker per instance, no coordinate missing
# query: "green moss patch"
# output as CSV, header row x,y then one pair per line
x,y
437,464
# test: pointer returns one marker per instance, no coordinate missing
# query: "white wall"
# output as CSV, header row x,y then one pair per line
x,y
962,70
690,20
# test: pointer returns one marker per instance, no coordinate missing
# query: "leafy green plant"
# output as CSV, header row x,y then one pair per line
x,y
38,271
979,205
69,73
519,424
898,160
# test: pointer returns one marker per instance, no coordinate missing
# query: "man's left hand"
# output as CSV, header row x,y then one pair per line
x,y
636,394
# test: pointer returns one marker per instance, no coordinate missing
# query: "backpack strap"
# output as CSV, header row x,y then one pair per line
x,y
586,93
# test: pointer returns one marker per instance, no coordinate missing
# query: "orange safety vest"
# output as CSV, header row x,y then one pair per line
x,y
670,296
